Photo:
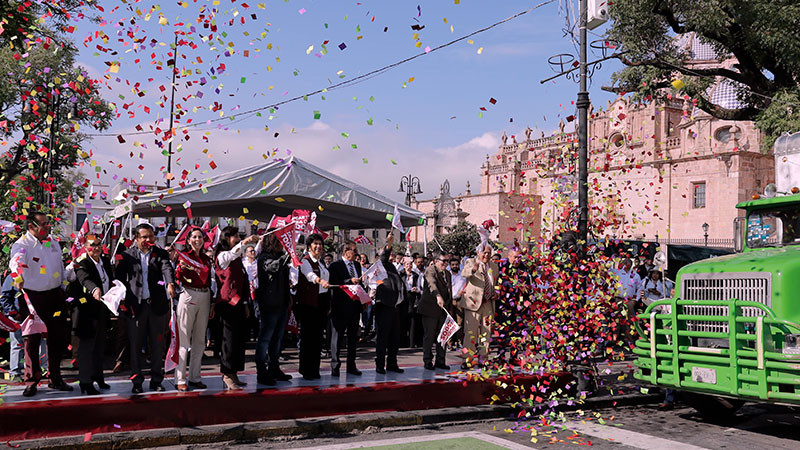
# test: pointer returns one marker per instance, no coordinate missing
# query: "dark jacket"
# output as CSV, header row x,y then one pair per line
x,y
436,284
412,298
11,301
91,313
273,280
393,289
342,306
159,274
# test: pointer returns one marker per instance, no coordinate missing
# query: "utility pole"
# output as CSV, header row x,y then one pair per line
x,y
583,132
172,109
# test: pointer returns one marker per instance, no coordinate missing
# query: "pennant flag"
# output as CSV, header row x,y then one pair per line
x,y
171,361
449,328
356,292
361,239
321,233
302,221
286,236
6,324
163,233
375,275
7,227
291,323
213,238
79,246
396,219
114,297
183,235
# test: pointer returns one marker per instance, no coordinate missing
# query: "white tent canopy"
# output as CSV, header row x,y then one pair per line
x,y
277,187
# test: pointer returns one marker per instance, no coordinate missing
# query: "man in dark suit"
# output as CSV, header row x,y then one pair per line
x,y
146,270
345,311
437,293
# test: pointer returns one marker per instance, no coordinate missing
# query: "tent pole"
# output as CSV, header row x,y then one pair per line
x,y
425,237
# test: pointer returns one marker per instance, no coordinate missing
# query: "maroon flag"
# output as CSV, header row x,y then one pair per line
x,y
79,245
171,361
202,270
321,233
286,236
183,235
356,292
280,222
302,220
6,324
213,237
361,239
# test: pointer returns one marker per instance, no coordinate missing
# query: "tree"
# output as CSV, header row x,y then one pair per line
x,y
460,239
760,34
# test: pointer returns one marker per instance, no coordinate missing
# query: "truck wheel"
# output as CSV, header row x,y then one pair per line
x,y
713,408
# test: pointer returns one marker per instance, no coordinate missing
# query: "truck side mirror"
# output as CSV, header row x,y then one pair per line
x,y
738,234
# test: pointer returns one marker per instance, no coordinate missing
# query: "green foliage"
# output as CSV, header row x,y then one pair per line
x,y
460,239
760,34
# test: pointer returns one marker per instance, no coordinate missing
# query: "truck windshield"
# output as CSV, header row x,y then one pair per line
x,y
773,227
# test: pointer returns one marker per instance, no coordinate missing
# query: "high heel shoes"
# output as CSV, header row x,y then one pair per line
x,y
88,389
230,384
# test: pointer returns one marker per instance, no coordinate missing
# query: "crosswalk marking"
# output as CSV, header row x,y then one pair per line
x,y
629,438
429,438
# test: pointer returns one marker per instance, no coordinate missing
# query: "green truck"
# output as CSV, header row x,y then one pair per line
x,y
731,332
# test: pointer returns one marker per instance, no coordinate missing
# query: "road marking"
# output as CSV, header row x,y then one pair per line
x,y
629,438
430,438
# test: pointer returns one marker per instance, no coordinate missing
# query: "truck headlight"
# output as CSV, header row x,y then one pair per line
x,y
792,344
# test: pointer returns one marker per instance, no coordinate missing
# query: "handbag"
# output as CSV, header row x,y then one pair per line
x,y
32,324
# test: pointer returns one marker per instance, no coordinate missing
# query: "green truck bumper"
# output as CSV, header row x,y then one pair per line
x,y
749,359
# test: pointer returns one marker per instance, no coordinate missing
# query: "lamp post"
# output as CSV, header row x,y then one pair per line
x,y
409,185
46,167
705,232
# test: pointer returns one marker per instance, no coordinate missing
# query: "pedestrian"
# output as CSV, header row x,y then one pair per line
x,y
653,288
411,278
95,273
146,271
367,318
437,293
345,311
629,284
194,308
10,300
478,304
311,306
388,295
35,262
233,304
273,300
455,309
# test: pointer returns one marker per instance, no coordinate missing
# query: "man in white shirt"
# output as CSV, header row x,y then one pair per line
x,y
38,271
630,284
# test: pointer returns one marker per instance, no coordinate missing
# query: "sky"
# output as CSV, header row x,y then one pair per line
x,y
435,117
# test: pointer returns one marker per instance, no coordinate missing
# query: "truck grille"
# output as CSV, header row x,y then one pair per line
x,y
749,286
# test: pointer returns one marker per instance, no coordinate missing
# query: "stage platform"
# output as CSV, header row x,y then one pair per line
x,y
53,413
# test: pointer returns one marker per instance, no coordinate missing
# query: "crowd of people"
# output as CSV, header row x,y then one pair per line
x,y
213,294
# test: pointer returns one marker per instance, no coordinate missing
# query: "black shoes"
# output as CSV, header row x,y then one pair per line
x,y
266,380
280,376
442,366
395,369
429,366
61,386
30,391
380,370
335,373
465,366
137,389
157,387
101,383
354,371
88,389
197,385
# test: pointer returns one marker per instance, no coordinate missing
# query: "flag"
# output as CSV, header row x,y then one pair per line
x,y
114,297
7,227
6,324
449,328
163,233
375,274
79,246
356,292
213,238
321,233
183,234
286,236
361,239
280,222
291,324
171,361
302,219
201,269
396,219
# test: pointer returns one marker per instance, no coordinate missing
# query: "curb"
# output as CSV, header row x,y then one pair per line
x,y
309,427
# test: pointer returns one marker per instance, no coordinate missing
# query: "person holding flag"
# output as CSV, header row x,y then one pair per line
x,y
95,273
345,311
437,292
194,306
313,302
389,294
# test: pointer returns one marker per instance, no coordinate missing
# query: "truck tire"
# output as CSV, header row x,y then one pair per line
x,y
713,408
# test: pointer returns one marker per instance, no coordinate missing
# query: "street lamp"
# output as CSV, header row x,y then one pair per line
x,y
46,168
409,185
705,232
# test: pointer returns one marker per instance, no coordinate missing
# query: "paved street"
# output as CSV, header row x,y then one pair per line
x,y
756,427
